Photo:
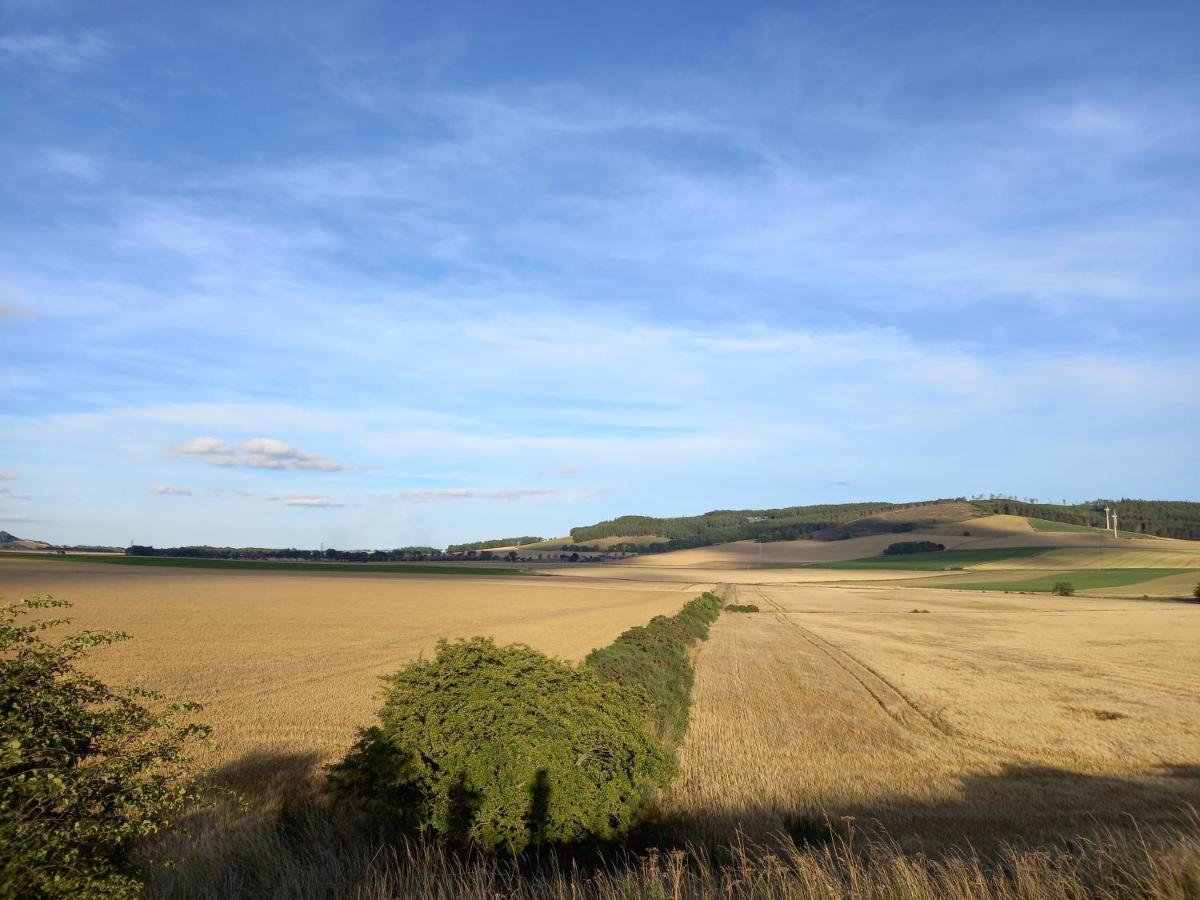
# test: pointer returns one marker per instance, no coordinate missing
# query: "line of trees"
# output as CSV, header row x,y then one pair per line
x,y
721,526
1161,518
399,554
494,543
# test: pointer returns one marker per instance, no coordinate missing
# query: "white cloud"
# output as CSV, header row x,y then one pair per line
x,y
563,470
427,495
9,495
73,164
306,500
256,453
8,311
171,490
9,475
58,52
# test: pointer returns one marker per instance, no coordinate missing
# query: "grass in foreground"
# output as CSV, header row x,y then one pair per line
x,y
933,562
1080,579
265,565
311,854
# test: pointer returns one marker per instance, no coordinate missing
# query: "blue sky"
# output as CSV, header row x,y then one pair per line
x,y
374,274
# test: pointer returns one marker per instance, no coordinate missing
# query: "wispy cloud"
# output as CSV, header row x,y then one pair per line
x,y
171,490
256,453
73,164
56,51
432,495
306,500
8,311
9,475
801,249
9,494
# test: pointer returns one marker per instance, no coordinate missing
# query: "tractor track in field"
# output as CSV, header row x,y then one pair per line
x,y
894,702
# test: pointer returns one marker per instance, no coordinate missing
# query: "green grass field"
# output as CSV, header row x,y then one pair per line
x,y
176,562
933,562
1080,579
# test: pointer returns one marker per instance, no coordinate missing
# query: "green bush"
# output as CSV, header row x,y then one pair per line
x,y
902,547
85,770
742,608
1196,592
653,659
1063,589
503,747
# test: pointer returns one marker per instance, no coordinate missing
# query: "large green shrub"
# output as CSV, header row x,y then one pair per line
x,y
502,747
85,770
654,660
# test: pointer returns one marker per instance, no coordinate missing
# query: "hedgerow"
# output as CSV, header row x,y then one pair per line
x,y
503,747
653,660
86,771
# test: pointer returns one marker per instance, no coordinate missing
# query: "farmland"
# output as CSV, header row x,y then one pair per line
x,y
1013,719
863,699
935,561
288,664
1079,579
173,562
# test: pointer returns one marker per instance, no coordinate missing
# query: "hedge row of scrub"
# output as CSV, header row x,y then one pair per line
x,y
742,608
654,660
901,547
501,748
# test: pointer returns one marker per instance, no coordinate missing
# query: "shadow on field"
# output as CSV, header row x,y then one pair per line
x,y
274,779
1019,804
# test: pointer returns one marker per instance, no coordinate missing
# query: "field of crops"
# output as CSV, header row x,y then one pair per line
x,y
1078,579
943,716
926,718
265,565
935,561
287,665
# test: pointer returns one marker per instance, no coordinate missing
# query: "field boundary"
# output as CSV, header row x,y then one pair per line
x,y
266,565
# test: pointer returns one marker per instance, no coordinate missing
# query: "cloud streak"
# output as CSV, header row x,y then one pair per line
x,y
256,453
171,490
435,495
64,53
307,501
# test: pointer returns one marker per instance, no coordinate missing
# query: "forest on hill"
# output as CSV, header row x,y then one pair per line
x,y
820,521
1161,518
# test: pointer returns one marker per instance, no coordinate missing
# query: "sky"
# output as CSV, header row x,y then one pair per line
x,y
375,274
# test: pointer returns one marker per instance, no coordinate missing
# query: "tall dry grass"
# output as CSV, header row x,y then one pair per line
x,y
315,854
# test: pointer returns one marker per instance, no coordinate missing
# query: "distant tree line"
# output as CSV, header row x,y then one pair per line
x,y
492,544
766,525
901,547
399,554
1161,518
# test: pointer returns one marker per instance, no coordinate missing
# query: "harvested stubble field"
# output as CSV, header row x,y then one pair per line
x,y
287,666
986,720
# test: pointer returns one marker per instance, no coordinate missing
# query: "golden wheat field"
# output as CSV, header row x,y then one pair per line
x,y
945,717
942,722
286,665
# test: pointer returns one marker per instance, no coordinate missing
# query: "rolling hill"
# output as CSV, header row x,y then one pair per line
x,y
12,542
849,521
